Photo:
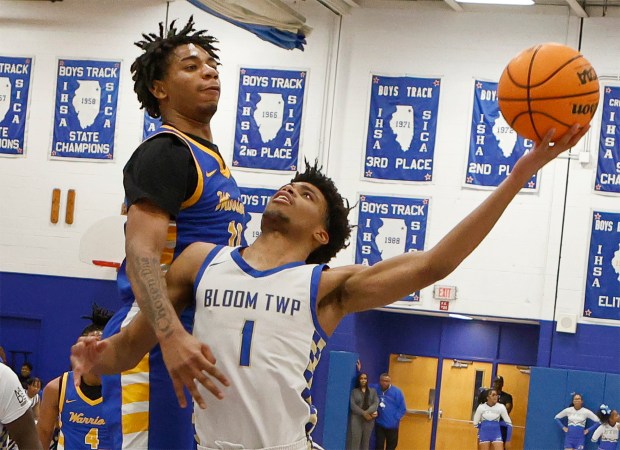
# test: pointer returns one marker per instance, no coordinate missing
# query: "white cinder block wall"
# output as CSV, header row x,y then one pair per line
x,y
512,274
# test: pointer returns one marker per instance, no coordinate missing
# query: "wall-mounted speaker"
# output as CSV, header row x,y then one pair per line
x,y
566,323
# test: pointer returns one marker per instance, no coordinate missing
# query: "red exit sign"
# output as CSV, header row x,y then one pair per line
x,y
444,292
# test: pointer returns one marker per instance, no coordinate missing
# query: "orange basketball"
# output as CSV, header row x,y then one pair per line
x,y
547,86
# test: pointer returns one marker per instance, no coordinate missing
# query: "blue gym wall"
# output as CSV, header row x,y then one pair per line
x,y
41,314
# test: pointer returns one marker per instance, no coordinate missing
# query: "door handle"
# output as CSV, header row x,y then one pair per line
x,y
422,412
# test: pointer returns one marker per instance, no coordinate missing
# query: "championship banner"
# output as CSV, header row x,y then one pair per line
x,y
402,125
149,126
14,92
608,166
255,201
494,147
390,226
269,114
602,296
85,110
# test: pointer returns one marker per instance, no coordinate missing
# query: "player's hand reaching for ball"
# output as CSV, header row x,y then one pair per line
x,y
189,362
544,151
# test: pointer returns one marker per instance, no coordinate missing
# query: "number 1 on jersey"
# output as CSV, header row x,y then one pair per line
x,y
246,343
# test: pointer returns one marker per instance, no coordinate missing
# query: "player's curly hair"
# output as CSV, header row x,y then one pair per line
x,y
153,63
99,318
336,219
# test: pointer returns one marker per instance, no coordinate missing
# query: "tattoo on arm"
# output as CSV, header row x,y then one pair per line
x,y
150,285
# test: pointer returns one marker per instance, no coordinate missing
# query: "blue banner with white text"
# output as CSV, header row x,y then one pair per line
x,y
269,119
494,147
14,93
608,166
388,227
255,201
402,128
602,295
85,109
149,126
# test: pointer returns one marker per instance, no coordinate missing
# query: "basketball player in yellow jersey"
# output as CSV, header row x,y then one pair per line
x,y
268,309
178,190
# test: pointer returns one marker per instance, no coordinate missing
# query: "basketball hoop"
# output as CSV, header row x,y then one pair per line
x,y
100,263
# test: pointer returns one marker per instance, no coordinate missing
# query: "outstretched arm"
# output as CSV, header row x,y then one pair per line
x,y
357,289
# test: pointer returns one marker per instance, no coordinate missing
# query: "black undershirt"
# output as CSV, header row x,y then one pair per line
x,y
162,171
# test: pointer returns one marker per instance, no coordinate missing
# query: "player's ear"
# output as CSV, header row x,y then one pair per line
x,y
321,236
158,89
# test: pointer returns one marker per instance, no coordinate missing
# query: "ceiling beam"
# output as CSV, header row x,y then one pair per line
x,y
577,8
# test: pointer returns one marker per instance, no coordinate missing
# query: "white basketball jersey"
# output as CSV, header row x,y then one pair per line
x,y
264,333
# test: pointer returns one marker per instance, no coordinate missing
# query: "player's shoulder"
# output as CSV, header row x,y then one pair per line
x,y
165,142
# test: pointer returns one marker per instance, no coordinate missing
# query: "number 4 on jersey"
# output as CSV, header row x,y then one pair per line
x,y
92,438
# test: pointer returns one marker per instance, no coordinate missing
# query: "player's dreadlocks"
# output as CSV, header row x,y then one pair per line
x,y
336,217
99,318
153,63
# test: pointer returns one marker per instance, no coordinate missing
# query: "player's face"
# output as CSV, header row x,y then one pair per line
x,y
492,398
613,418
191,85
301,204
577,401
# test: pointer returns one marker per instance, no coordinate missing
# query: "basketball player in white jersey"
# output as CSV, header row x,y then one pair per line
x,y
266,310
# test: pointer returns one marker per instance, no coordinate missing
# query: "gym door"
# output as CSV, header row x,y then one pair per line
x,y
460,381
517,384
416,376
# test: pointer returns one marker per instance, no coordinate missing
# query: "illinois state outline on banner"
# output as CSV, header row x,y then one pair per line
x,y
85,109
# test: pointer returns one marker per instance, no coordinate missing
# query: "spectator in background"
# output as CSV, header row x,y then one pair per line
x,y
32,390
391,410
504,398
576,430
364,403
25,374
15,414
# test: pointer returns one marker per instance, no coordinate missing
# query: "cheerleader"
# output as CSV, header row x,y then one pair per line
x,y
576,430
607,433
486,418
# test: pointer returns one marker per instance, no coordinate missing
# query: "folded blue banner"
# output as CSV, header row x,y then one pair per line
x,y
281,38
